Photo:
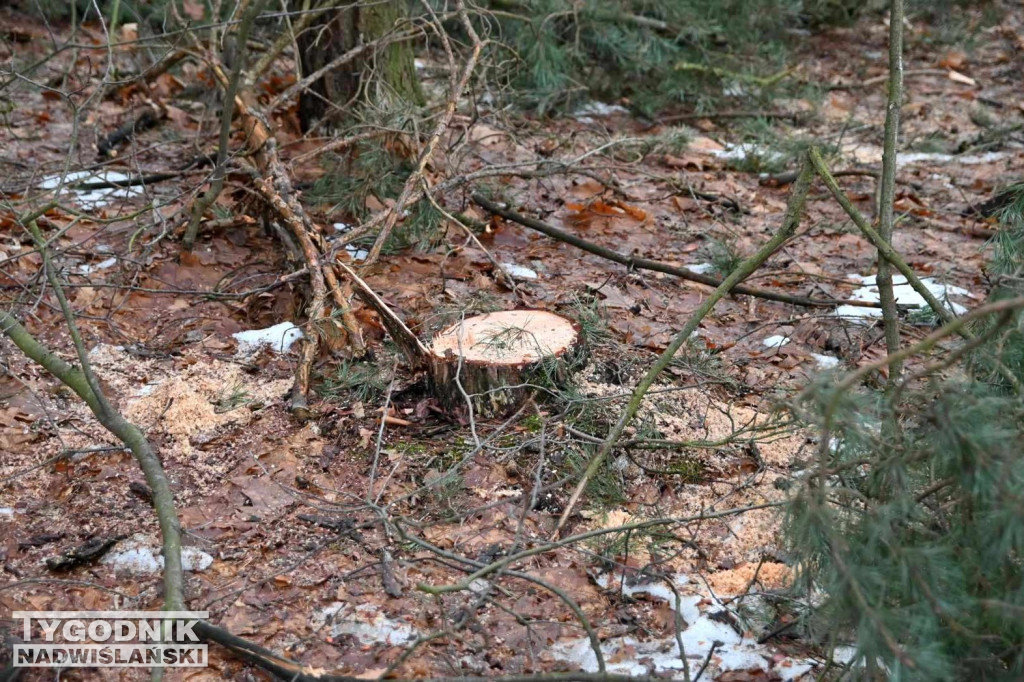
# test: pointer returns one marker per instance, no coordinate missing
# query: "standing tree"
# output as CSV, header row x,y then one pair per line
x,y
376,64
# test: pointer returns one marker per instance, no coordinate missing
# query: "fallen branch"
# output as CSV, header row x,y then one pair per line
x,y
657,266
715,115
794,210
415,352
150,116
275,186
786,178
878,80
85,384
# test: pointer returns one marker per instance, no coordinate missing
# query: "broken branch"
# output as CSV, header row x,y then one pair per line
x,y
657,266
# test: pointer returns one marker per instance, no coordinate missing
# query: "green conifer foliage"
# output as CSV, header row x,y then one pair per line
x,y
910,545
566,51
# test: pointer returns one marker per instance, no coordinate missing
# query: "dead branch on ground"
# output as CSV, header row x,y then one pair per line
x,y
657,266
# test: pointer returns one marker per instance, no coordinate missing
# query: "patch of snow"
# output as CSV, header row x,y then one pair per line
x,y
356,253
734,89
364,622
965,159
630,656
519,272
92,198
658,590
479,586
584,113
87,269
844,654
904,293
791,670
825,361
195,560
660,656
700,268
342,227
279,338
6,513
135,560
777,341
745,150
136,557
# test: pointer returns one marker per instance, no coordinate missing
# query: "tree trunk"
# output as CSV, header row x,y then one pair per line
x,y
381,77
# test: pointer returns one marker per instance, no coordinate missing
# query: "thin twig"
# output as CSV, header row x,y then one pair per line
x,y
657,266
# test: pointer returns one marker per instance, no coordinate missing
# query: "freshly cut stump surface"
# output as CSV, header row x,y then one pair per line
x,y
494,354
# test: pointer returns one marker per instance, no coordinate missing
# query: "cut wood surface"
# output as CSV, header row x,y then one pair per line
x,y
491,356
510,337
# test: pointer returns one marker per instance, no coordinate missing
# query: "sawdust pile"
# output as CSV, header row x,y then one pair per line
x,y
189,405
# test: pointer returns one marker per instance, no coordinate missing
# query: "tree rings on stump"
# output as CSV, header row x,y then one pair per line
x,y
494,354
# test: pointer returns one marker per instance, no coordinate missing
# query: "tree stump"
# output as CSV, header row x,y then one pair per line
x,y
494,356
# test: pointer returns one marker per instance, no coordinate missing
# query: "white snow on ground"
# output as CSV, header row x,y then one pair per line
x,y
630,656
6,513
92,198
356,253
518,271
364,622
745,150
777,341
905,295
964,159
585,113
825,361
279,338
657,589
137,557
700,268
87,269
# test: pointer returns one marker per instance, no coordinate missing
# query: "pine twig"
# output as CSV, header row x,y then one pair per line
x,y
203,203
885,250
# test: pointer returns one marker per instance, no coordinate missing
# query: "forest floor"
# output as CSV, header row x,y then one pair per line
x,y
282,519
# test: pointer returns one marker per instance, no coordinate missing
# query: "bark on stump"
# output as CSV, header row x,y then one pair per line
x,y
492,356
